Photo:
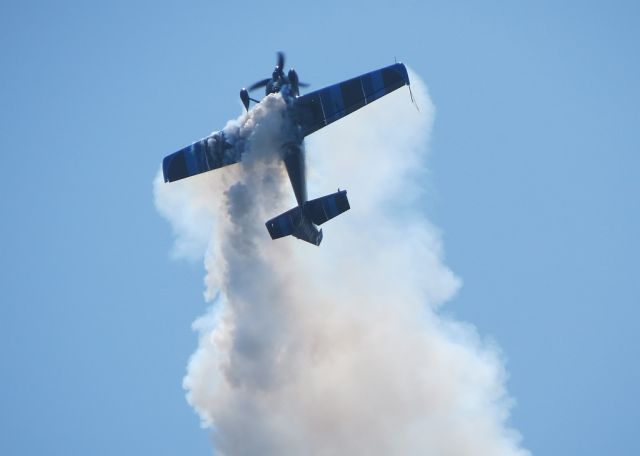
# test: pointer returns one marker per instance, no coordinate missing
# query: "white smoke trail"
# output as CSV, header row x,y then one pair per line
x,y
337,349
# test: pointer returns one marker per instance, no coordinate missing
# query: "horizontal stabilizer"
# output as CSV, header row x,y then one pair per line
x,y
327,207
209,153
285,223
301,221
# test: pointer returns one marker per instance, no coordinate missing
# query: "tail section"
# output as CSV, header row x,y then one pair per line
x,y
302,221
294,223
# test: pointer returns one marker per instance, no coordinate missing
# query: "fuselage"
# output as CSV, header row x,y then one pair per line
x,y
293,152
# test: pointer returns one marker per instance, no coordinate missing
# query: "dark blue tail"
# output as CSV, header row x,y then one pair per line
x,y
302,221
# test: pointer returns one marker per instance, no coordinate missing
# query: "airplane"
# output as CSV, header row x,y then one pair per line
x,y
305,114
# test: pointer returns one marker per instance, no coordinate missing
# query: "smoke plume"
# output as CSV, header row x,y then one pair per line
x,y
337,349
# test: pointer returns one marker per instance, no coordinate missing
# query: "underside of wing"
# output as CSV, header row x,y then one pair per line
x,y
322,107
209,153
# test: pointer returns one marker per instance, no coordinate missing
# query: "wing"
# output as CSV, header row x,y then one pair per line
x,y
322,107
209,153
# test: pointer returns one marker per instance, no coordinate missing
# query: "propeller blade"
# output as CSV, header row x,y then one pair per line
x,y
303,84
259,84
280,60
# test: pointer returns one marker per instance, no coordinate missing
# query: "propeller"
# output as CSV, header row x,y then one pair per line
x,y
264,82
280,64
259,84
280,59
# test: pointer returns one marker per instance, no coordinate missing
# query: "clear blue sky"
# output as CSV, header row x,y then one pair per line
x,y
535,185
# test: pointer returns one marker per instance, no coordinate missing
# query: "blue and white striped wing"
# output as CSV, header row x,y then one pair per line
x,y
322,107
209,153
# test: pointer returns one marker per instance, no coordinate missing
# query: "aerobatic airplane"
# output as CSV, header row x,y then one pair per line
x,y
304,115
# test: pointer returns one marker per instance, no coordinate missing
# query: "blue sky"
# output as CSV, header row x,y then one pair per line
x,y
534,184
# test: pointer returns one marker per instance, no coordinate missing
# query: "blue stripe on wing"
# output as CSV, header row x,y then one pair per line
x,y
209,153
322,107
